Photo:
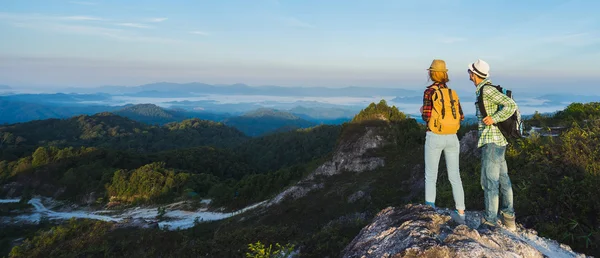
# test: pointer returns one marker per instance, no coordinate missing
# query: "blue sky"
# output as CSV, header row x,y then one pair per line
x,y
531,45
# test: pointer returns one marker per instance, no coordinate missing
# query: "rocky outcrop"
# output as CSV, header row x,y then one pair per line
x,y
421,231
135,223
351,155
12,190
296,191
468,144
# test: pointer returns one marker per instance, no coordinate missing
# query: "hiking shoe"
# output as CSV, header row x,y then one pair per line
x,y
458,218
487,225
430,204
509,221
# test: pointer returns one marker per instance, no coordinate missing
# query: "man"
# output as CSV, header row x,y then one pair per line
x,y
494,171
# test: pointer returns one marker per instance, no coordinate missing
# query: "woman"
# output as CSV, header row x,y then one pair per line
x,y
438,140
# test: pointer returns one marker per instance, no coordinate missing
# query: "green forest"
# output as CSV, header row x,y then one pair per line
x,y
105,153
555,181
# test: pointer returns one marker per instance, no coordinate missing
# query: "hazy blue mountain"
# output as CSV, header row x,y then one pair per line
x,y
408,100
176,89
159,94
16,111
323,115
213,106
153,114
322,112
115,90
264,120
464,98
557,99
59,98
150,114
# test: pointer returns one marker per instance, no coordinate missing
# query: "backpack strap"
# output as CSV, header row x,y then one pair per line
x,y
434,94
452,104
443,106
480,103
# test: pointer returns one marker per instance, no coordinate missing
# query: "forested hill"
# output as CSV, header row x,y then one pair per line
x,y
554,180
264,120
254,123
150,114
155,115
72,158
111,131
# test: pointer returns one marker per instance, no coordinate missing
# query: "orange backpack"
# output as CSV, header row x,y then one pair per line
x,y
445,118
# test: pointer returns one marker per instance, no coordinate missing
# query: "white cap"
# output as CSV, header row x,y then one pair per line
x,y
480,68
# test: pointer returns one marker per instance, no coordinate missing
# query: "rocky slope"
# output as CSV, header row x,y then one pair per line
x,y
421,231
350,155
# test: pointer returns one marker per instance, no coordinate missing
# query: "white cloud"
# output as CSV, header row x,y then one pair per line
x,y
295,22
450,40
97,31
81,18
157,19
574,39
201,33
83,3
77,29
133,25
19,17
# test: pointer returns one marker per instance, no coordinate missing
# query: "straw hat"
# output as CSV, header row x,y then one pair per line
x,y
438,66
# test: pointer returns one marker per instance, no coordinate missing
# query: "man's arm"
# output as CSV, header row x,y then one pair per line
x,y
496,97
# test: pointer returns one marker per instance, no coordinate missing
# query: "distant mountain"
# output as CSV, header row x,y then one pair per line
x,y
153,114
323,115
117,132
150,114
559,99
408,100
177,89
262,121
70,99
322,112
158,94
271,113
18,111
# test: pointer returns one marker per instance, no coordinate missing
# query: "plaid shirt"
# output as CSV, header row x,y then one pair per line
x,y
428,103
492,99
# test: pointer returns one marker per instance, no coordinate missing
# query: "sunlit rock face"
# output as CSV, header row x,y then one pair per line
x,y
349,156
421,231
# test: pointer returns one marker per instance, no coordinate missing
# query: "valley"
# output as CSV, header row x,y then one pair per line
x,y
313,188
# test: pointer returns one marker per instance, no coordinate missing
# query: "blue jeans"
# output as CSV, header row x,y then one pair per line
x,y
494,173
434,145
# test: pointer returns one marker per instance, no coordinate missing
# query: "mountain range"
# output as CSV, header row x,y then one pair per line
x,y
323,190
167,90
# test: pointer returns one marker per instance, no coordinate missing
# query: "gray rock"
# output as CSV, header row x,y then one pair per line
x,y
468,144
349,156
135,223
296,191
416,182
12,190
90,198
421,231
356,196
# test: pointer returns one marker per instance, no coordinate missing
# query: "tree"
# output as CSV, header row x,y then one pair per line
x,y
259,250
40,157
6,138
